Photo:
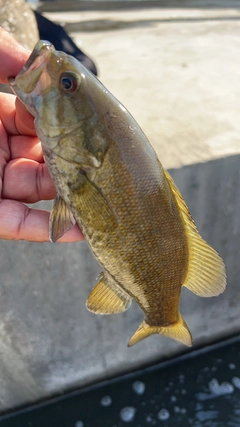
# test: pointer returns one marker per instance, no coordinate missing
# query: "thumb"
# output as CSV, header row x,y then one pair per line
x,y
12,56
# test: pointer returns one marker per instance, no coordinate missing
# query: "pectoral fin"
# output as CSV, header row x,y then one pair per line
x,y
206,275
93,205
178,331
61,219
107,298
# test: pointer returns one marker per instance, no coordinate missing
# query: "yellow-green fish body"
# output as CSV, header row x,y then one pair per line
x,y
110,180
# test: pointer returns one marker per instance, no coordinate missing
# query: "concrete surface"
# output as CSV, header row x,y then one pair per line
x,y
177,71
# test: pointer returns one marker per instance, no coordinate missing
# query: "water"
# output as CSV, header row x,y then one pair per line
x,y
155,396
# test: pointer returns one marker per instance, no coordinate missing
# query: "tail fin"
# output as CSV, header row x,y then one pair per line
x,y
179,332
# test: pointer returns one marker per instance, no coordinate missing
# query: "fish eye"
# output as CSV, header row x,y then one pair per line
x,y
69,82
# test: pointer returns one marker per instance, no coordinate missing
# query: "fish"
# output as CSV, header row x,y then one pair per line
x,y
110,181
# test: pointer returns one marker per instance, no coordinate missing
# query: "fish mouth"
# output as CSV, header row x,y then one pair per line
x,y
28,80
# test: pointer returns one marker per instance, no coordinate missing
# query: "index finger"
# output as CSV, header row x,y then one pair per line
x,y
12,56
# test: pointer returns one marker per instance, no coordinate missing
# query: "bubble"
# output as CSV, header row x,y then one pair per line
x,y
149,419
139,387
183,411
106,401
232,366
177,409
163,414
183,391
79,424
236,382
173,398
127,414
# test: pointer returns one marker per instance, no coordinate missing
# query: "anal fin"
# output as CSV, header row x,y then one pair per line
x,y
178,331
108,298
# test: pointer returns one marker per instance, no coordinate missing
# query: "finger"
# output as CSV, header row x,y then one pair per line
x,y
13,56
27,181
27,147
15,118
19,222
24,121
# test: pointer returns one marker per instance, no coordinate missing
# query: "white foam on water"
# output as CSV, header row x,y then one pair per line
x,y
220,389
106,401
204,396
163,414
206,415
138,387
79,424
127,414
236,382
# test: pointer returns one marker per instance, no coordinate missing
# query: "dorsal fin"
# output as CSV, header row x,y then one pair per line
x,y
206,274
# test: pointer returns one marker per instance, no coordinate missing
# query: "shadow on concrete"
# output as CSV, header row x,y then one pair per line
x,y
98,5
110,24
50,343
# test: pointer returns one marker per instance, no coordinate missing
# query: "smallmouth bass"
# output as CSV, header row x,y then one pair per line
x,y
109,179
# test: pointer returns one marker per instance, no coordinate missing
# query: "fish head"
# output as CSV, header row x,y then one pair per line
x,y
51,87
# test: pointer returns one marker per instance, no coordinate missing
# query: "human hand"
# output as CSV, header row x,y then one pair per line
x,y
24,177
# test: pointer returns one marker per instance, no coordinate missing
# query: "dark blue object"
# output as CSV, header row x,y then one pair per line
x,y
200,389
56,34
